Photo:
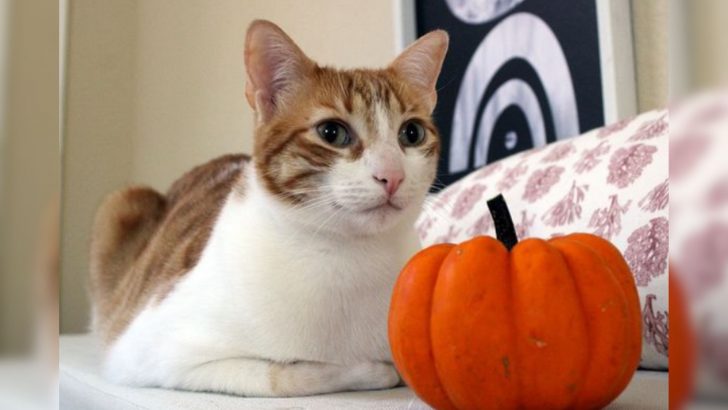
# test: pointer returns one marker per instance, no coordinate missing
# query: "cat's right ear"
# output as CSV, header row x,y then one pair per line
x,y
420,65
274,65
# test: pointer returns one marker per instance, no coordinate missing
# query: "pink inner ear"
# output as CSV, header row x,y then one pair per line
x,y
420,63
265,104
273,63
262,65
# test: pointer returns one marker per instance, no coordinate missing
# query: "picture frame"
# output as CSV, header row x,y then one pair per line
x,y
613,66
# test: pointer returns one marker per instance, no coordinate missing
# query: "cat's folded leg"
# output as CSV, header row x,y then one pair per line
x,y
257,377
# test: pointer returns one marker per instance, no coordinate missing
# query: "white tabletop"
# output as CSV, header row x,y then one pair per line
x,y
82,387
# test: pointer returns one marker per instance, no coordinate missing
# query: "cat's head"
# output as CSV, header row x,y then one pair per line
x,y
348,150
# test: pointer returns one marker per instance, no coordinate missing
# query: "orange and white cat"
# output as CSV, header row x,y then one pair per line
x,y
271,276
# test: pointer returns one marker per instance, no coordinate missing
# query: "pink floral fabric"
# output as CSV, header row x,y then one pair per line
x,y
612,182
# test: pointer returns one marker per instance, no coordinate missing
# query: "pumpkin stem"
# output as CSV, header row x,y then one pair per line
x,y
504,229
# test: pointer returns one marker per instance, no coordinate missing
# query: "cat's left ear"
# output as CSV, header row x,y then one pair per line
x,y
419,65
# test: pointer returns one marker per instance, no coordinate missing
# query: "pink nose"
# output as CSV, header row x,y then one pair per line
x,y
390,180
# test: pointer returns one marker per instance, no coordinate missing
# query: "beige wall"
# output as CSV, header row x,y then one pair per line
x,y
680,46
28,158
190,77
155,87
708,42
99,124
649,28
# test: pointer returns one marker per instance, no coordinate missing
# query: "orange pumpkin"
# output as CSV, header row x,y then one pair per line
x,y
541,324
682,347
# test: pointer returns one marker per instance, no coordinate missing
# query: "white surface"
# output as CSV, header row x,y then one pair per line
x,y
81,387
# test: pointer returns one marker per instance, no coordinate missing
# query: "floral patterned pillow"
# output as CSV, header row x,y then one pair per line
x,y
612,182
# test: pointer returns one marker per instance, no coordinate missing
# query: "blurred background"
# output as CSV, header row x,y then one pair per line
x,y
95,95
29,191
29,158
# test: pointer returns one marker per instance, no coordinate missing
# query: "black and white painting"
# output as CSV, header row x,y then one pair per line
x,y
519,74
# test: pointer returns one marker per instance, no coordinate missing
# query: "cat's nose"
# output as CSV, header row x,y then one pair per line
x,y
389,180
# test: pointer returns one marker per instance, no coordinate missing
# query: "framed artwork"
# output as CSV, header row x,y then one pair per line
x,y
520,74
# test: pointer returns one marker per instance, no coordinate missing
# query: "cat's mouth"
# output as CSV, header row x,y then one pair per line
x,y
385,206
382,208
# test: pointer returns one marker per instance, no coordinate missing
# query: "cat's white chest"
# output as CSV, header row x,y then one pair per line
x,y
263,291
305,299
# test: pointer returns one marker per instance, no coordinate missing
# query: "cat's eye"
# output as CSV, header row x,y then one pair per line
x,y
334,133
411,134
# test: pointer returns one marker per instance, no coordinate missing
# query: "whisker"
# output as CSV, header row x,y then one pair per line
x,y
325,200
439,210
336,212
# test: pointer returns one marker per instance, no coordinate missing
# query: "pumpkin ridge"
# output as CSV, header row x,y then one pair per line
x,y
589,334
468,338
625,364
411,349
621,271
550,327
439,377
608,269
607,389
514,331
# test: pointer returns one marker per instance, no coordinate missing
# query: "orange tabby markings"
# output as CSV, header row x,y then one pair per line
x,y
143,243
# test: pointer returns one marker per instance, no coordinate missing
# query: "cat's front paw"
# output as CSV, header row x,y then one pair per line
x,y
373,376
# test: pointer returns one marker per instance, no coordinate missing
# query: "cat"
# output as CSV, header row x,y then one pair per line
x,y
271,275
